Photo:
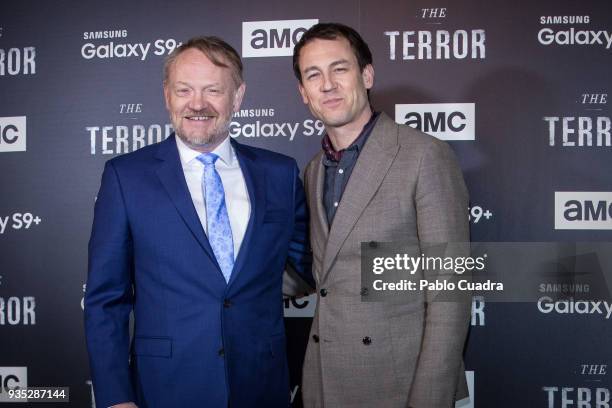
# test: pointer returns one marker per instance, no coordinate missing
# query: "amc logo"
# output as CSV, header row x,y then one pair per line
x,y
583,210
300,307
272,38
13,134
12,378
446,121
467,402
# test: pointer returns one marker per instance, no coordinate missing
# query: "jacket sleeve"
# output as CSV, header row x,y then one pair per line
x,y
441,201
109,294
298,280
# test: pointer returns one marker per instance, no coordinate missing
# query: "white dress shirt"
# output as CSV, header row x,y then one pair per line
x,y
236,194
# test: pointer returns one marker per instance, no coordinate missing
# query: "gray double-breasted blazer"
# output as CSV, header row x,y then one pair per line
x,y
406,186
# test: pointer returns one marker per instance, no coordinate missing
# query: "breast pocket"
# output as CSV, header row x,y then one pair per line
x,y
382,220
383,212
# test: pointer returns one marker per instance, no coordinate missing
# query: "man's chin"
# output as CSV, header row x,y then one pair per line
x,y
195,140
334,121
201,142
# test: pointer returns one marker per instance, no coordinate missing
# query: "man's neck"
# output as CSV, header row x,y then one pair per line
x,y
343,136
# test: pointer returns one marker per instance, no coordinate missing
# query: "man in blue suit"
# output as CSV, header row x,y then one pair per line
x,y
192,235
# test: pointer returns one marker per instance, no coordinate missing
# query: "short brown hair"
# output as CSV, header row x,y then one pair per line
x,y
333,31
218,52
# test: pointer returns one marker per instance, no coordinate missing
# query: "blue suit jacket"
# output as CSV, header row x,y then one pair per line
x,y
198,341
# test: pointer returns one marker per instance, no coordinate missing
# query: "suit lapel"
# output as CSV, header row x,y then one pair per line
x,y
320,228
372,165
255,179
172,178
316,182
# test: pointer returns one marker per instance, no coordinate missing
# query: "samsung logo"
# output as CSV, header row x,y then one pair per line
x,y
548,36
98,35
565,19
547,305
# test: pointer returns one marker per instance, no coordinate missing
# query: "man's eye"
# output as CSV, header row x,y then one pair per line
x,y
340,69
312,76
182,91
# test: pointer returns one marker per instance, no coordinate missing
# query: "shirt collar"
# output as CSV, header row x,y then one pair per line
x,y
225,151
334,155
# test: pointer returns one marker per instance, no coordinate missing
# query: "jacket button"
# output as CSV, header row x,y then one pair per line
x,y
226,303
364,291
221,352
323,292
315,338
373,244
366,340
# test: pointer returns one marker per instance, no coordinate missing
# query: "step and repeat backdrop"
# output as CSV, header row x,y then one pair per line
x,y
520,90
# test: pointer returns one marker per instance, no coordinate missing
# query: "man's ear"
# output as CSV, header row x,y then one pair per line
x,y
303,93
238,96
167,95
368,76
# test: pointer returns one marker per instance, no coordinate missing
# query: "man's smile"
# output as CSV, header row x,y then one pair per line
x,y
199,118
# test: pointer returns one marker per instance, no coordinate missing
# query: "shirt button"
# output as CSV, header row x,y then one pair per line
x,y
341,171
323,292
221,352
227,303
315,338
336,204
367,341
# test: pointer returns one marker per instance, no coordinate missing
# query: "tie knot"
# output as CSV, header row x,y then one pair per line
x,y
207,158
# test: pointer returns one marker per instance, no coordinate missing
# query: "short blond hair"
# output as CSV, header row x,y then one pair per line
x,y
216,50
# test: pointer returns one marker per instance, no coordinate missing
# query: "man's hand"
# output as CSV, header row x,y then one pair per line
x,y
125,405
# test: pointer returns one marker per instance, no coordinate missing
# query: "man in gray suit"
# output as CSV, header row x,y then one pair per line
x,y
375,181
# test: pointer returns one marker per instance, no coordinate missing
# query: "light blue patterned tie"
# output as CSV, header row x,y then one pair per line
x,y
218,225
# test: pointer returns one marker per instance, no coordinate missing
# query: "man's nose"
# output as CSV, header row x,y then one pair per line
x,y
328,83
197,102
